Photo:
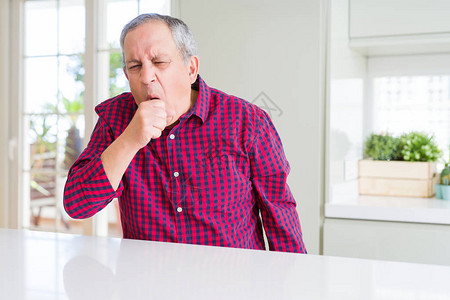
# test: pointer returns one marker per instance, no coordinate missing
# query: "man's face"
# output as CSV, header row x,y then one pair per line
x,y
155,69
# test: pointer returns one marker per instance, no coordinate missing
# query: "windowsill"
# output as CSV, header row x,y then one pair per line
x,y
347,204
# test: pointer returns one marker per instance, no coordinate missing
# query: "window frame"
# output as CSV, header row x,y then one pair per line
x,y
5,34
395,209
11,86
405,65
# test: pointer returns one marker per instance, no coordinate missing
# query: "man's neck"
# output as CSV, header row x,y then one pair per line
x,y
194,96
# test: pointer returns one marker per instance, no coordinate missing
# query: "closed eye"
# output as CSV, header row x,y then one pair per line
x,y
160,62
133,67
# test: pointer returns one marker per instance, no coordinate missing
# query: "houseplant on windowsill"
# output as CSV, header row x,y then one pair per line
x,y
443,189
399,166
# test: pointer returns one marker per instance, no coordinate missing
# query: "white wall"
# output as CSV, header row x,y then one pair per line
x,y
347,84
276,47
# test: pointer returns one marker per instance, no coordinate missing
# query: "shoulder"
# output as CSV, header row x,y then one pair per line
x,y
117,104
117,112
238,117
238,107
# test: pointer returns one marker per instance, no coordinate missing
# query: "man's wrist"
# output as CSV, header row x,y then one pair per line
x,y
128,143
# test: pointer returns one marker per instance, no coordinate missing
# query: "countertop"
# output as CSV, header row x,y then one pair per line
x,y
42,265
346,203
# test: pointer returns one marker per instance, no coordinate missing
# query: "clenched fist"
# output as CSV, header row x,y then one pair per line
x,y
148,122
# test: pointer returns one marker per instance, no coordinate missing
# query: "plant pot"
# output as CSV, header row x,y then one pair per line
x,y
443,192
397,178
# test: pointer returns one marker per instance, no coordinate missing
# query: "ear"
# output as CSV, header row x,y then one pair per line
x,y
193,68
125,72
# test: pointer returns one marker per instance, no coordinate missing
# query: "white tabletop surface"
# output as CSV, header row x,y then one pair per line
x,y
38,265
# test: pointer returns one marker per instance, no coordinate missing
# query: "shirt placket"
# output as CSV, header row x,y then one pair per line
x,y
173,146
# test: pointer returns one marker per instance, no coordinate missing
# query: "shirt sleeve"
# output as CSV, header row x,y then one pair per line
x,y
87,189
269,171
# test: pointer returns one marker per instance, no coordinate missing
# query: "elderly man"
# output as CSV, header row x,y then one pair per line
x,y
189,163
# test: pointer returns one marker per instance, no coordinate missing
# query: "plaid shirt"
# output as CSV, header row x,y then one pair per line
x,y
204,181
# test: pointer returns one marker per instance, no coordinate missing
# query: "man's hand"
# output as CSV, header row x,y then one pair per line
x,y
148,122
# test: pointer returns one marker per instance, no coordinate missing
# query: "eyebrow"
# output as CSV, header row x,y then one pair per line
x,y
162,56
156,57
132,61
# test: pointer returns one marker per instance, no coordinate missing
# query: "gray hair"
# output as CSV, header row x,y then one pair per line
x,y
182,35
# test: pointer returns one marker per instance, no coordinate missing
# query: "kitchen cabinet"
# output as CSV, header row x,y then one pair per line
x,y
395,241
381,18
386,27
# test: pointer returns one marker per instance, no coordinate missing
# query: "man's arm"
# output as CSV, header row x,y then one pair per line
x,y
269,171
87,188
148,123
94,179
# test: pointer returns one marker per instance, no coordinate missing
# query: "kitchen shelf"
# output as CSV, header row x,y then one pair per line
x,y
346,203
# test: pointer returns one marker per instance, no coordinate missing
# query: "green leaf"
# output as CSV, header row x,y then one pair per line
x,y
419,146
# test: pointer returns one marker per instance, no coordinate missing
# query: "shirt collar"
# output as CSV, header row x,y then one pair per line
x,y
201,106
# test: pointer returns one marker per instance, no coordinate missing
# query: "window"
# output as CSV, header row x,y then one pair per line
x,y
410,93
53,106
413,103
402,94
118,13
53,113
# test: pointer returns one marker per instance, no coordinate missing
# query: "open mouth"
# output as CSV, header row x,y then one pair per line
x,y
153,97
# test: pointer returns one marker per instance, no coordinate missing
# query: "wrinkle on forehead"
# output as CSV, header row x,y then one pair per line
x,y
155,41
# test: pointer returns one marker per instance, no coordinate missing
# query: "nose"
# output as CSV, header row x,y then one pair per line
x,y
148,74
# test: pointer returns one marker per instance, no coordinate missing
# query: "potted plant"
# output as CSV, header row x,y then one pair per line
x,y
74,143
443,189
399,166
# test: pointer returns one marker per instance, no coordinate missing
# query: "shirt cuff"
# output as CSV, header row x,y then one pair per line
x,y
96,179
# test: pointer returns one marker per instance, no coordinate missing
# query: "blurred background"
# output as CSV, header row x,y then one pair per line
x,y
52,114
329,72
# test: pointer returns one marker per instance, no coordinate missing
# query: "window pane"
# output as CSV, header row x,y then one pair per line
x,y
40,28
42,183
70,140
42,142
154,6
71,85
53,107
41,175
42,190
71,26
118,83
119,13
41,85
413,103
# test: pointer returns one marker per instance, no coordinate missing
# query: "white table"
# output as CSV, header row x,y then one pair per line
x,y
40,265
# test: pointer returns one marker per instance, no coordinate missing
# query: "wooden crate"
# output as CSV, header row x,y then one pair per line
x,y
397,178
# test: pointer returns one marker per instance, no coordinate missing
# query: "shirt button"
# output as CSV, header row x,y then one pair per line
x,y
172,136
179,209
176,174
